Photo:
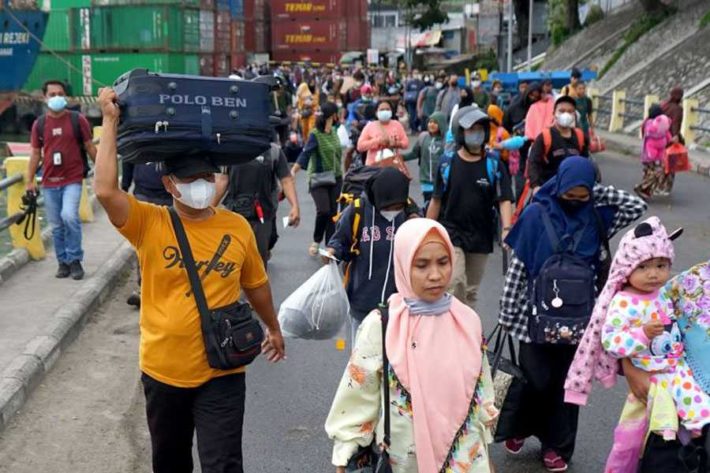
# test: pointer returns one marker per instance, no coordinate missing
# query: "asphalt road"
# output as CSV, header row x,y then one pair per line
x,y
87,416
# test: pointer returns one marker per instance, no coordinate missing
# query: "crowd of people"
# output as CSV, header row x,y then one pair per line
x,y
493,167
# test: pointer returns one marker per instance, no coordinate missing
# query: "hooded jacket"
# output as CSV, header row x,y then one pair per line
x,y
591,361
428,150
518,109
371,271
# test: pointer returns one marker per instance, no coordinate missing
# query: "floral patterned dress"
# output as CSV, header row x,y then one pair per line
x,y
355,417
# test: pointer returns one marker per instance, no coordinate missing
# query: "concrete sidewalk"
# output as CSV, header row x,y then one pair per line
x,y
631,145
40,315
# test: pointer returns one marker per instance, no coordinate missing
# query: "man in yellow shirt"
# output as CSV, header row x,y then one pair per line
x,y
183,393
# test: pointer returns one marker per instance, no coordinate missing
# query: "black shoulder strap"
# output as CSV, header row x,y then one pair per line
x,y
40,129
189,262
384,311
75,127
603,233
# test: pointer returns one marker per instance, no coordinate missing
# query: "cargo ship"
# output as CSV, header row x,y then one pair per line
x,y
22,26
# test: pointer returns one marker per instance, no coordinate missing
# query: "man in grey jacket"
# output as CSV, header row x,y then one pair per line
x,y
449,97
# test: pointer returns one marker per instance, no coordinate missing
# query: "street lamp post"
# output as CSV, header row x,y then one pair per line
x,y
530,28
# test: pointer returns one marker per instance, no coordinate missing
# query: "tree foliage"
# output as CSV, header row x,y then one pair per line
x,y
656,6
422,14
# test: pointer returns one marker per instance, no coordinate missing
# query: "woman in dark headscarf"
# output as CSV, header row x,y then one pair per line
x,y
577,211
518,109
673,109
466,100
514,119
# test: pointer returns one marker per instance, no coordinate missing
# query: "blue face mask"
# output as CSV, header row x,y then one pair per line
x,y
57,103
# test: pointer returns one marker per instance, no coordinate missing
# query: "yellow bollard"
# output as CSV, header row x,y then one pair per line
x,y
618,109
468,77
648,100
34,246
690,118
86,212
594,95
97,133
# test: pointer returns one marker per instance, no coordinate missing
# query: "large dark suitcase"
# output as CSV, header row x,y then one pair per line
x,y
167,116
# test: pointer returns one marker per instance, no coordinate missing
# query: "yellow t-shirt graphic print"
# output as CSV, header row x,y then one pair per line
x,y
224,248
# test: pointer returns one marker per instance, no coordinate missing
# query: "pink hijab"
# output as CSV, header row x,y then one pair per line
x,y
437,358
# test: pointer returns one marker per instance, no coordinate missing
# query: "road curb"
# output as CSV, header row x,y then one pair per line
x,y
634,151
17,258
25,371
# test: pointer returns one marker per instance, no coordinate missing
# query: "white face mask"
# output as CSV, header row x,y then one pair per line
x,y
384,115
439,85
197,194
390,215
565,120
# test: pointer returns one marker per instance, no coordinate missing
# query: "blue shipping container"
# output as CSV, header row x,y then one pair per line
x,y
237,7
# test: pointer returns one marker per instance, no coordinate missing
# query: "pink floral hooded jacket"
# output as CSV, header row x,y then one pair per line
x,y
590,360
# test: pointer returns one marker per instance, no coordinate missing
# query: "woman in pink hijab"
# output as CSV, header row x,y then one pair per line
x,y
440,387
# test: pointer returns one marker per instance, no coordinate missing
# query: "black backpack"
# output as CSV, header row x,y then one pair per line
x,y
76,128
562,296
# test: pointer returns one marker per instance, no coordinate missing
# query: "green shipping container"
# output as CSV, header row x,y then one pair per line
x,y
106,68
98,70
182,3
145,28
57,36
48,66
65,4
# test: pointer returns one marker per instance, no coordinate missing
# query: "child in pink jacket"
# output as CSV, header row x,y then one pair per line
x,y
647,241
656,138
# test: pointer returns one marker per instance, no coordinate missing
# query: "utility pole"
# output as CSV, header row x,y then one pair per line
x,y
500,34
530,29
510,36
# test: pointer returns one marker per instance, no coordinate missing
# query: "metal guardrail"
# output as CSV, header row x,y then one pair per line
x,y
10,180
700,110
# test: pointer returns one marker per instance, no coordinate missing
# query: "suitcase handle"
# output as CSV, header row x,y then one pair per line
x,y
206,122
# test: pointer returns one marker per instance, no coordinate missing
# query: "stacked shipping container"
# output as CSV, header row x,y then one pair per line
x,y
104,38
318,30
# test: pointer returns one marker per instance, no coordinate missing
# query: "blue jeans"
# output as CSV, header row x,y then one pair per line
x,y
62,207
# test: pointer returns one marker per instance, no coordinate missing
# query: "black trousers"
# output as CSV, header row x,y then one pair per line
x,y
537,407
326,200
215,410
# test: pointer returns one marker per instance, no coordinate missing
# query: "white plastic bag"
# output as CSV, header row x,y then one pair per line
x,y
343,137
318,309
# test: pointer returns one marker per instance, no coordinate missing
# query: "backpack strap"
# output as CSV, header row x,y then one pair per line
x,y
75,127
40,129
80,140
580,139
550,230
445,167
357,219
547,143
354,250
